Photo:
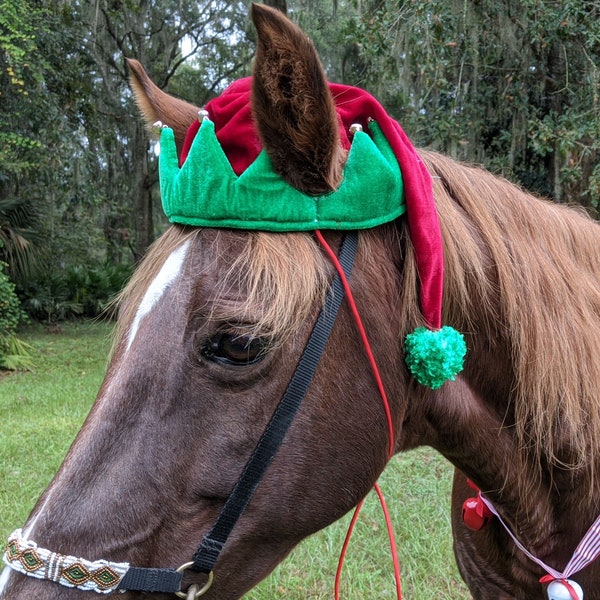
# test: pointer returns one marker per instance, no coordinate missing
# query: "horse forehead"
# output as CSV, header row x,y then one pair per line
x,y
201,261
221,247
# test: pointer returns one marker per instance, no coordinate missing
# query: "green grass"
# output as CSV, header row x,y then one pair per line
x,y
42,410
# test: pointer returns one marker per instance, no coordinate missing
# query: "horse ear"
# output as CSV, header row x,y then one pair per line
x,y
157,105
293,106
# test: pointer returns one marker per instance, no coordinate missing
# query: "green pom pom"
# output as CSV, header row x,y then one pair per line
x,y
434,357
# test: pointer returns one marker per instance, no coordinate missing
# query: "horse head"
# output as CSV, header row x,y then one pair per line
x,y
265,187
210,331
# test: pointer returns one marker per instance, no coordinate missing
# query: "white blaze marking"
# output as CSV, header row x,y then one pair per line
x,y
167,275
29,529
4,575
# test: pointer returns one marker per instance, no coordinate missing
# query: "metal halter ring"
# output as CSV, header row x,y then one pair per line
x,y
202,590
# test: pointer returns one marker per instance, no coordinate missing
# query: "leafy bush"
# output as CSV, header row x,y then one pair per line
x,y
94,288
10,307
47,299
14,354
76,291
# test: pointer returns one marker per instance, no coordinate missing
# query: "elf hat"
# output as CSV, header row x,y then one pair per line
x,y
224,178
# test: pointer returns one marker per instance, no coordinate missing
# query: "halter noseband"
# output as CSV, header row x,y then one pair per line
x,y
105,577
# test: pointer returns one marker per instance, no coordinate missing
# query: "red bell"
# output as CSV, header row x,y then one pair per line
x,y
476,515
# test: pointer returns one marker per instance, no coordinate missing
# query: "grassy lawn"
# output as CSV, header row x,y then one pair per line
x,y
42,410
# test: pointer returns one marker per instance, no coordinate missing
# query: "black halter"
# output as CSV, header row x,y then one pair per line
x,y
169,580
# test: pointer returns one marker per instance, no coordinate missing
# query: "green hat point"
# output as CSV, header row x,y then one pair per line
x,y
435,357
205,191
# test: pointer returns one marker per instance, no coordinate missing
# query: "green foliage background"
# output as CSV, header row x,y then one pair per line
x,y
514,86
13,353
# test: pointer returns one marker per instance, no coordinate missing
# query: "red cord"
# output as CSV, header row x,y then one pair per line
x,y
388,414
338,573
350,298
393,549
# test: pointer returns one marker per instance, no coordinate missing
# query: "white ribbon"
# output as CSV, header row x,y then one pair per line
x,y
586,552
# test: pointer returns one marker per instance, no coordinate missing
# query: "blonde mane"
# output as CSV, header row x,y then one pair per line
x,y
278,280
528,270
271,286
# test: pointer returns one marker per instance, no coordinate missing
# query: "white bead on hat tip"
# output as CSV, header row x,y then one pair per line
x,y
158,126
557,590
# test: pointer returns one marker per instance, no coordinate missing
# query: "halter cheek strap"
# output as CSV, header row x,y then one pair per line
x,y
272,438
105,577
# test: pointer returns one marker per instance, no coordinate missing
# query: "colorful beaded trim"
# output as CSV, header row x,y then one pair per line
x,y
98,576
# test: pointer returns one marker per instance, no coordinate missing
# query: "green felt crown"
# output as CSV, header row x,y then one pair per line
x,y
206,192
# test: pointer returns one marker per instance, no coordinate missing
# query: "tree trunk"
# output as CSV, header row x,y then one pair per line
x,y
142,194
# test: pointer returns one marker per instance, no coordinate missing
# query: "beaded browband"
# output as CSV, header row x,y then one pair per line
x,y
26,557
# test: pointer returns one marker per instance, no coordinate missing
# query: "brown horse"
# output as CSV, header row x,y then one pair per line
x,y
184,401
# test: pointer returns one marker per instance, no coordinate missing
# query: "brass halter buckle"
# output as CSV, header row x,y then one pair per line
x,y
194,591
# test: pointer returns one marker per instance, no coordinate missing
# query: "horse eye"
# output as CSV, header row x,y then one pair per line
x,y
235,349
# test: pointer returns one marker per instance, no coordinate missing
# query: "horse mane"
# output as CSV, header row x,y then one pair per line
x,y
280,279
527,271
